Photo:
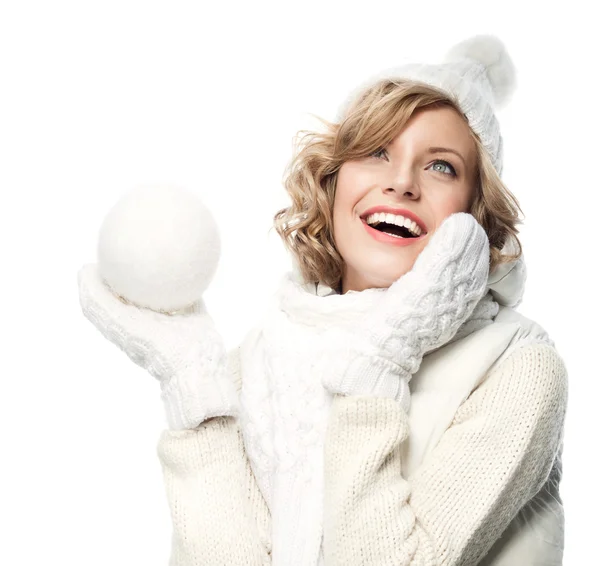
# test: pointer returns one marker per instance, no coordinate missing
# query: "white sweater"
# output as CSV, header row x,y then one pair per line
x,y
444,495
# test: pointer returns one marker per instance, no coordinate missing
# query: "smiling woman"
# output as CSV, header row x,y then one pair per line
x,y
403,144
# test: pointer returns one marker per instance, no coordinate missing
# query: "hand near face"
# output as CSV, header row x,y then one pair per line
x,y
445,283
419,312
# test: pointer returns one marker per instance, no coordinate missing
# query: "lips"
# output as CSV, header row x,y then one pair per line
x,y
388,239
400,211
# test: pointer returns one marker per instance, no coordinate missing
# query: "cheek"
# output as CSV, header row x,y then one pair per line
x,y
444,207
342,210
347,196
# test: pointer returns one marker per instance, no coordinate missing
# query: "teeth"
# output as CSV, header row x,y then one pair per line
x,y
396,219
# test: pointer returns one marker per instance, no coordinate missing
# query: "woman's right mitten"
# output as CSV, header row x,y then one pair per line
x,y
184,352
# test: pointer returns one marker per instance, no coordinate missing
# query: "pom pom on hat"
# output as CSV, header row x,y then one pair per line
x,y
490,52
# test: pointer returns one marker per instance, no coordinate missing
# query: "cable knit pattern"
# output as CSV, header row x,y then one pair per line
x,y
483,315
420,312
503,444
285,408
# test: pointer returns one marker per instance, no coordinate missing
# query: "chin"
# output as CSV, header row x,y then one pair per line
x,y
387,270
388,279
376,276
377,266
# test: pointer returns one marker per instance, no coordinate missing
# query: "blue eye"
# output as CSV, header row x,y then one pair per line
x,y
375,153
452,170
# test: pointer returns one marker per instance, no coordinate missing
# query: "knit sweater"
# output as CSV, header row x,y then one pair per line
x,y
501,448
496,456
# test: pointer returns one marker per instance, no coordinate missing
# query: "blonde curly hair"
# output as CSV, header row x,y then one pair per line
x,y
371,122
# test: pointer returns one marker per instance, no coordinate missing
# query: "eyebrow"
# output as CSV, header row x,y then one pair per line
x,y
446,150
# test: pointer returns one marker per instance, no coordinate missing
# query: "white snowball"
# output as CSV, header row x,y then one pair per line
x,y
159,247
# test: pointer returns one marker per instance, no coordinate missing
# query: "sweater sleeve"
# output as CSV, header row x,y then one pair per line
x,y
218,513
496,455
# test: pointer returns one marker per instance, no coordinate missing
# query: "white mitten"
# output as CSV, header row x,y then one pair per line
x,y
184,352
418,313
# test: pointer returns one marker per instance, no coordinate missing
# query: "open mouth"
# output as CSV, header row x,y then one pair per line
x,y
393,230
389,233
393,223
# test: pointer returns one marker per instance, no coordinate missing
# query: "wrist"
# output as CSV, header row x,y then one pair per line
x,y
200,391
371,376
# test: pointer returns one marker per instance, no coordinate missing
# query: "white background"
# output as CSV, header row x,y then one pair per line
x,y
97,97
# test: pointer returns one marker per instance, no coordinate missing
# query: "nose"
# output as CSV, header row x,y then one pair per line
x,y
410,194
404,184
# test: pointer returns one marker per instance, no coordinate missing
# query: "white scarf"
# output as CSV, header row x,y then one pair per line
x,y
284,407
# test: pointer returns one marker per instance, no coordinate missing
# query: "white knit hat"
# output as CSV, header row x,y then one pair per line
x,y
479,76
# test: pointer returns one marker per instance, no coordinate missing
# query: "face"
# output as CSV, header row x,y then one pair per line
x,y
411,181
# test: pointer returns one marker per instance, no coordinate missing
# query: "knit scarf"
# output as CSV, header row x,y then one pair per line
x,y
284,407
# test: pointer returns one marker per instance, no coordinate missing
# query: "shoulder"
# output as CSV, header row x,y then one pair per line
x,y
538,363
530,385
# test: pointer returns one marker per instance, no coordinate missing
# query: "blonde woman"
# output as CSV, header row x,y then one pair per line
x,y
392,407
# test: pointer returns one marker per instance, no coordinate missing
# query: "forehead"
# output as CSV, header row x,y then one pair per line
x,y
441,126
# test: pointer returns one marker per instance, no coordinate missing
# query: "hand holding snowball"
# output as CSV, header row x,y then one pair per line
x,y
157,253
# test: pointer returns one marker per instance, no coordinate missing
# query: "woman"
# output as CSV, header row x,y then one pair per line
x,y
393,406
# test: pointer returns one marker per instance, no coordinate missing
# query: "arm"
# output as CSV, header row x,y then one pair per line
x,y
495,456
219,516
218,512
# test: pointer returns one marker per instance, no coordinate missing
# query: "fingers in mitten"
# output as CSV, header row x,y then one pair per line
x,y
443,248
